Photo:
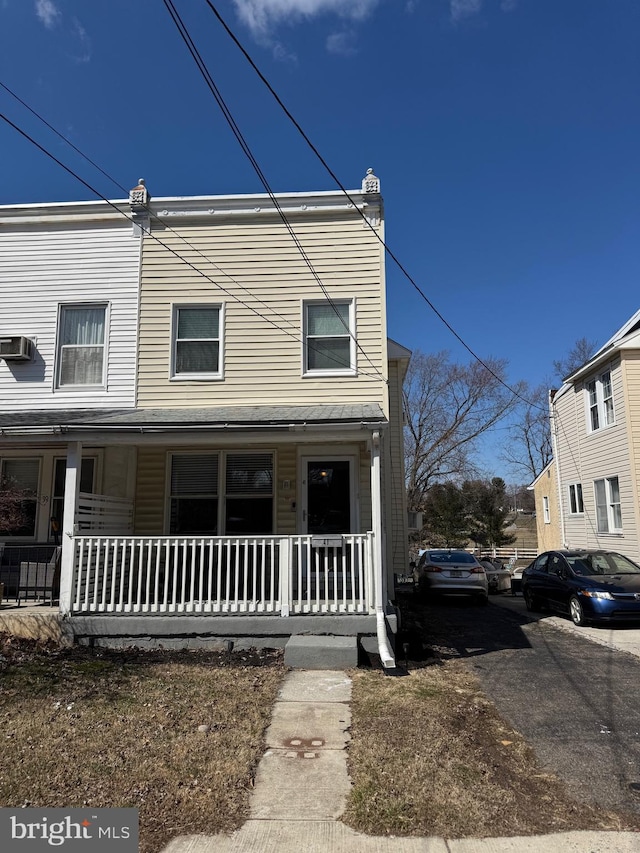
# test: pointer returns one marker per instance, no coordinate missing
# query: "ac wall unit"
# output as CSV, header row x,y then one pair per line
x,y
17,348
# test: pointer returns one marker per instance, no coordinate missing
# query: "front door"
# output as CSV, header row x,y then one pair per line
x,y
327,495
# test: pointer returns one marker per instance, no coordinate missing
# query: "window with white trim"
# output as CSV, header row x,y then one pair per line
x,y
545,510
81,345
19,479
600,408
197,342
329,337
608,509
576,504
227,492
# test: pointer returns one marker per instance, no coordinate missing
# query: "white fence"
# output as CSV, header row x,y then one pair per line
x,y
222,575
103,514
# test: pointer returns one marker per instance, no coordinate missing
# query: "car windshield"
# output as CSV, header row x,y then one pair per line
x,y
451,557
602,563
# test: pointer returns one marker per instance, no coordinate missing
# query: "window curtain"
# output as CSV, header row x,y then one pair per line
x,y
82,346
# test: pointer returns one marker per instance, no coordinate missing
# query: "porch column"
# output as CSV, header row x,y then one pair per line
x,y
71,491
386,655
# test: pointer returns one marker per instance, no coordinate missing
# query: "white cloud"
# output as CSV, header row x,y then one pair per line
x,y
464,8
84,54
48,13
341,43
262,15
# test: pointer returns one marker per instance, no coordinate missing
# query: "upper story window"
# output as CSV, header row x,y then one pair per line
x,y
576,504
197,342
329,337
600,402
81,345
608,509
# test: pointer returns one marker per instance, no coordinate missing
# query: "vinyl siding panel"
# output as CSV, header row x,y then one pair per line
x,y
256,272
588,456
42,267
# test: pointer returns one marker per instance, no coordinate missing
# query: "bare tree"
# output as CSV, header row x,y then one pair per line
x,y
448,407
529,448
578,355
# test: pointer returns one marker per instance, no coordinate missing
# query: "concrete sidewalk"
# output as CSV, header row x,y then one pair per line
x,y
302,787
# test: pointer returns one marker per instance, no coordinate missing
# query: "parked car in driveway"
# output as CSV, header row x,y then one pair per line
x,y
498,577
587,585
448,572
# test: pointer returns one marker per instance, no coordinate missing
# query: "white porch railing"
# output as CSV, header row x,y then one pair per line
x,y
222,575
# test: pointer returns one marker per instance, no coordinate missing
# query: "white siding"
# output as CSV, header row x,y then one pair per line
x,y
583,457
42,266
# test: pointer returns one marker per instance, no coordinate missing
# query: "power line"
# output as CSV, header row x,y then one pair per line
x,y
202,67
391,254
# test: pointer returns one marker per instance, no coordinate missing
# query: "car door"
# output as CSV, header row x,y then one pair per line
x,y
558,591
536,577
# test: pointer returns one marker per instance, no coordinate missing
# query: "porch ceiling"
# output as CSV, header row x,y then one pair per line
x,y
176,420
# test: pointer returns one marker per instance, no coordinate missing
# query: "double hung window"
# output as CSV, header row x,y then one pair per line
x,y
19,480
608,510
197,342
600,408
329,337
576,504
227,492
81,345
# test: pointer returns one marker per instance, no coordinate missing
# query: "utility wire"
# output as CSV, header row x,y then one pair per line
x,y
298,339
391,254
202,67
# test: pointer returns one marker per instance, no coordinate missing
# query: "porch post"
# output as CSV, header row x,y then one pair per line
x,y
71,490
284,574
386,655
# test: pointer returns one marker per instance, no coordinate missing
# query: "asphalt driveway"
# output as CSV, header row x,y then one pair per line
x,y
575,700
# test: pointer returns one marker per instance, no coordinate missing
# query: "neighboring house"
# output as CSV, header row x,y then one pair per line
x,y
545,492
258,470
595,420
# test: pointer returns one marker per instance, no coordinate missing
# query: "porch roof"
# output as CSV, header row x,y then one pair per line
x,y
183,419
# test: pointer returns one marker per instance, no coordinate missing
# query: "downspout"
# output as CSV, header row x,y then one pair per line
x,y
386,655
554,438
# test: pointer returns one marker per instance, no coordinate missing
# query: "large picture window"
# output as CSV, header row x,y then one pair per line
x,y
329,339
81,345
197,341
608,509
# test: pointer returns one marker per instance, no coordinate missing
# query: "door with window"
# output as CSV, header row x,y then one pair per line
x,y
328,495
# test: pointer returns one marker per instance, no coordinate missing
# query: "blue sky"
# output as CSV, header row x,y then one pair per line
x,y
506,134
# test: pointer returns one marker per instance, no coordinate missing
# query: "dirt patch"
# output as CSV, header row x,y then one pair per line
x,y
430,755
102,729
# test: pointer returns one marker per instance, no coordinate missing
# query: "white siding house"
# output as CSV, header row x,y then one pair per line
x,y
595,419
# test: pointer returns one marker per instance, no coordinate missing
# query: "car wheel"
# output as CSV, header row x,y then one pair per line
x,y
576,611
530,601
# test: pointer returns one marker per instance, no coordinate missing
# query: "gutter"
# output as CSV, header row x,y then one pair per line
x,y
142,429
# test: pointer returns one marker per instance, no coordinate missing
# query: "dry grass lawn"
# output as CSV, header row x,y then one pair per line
x,y
104,729
431,756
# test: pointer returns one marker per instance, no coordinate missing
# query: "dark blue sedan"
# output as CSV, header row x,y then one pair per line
x,y
588,586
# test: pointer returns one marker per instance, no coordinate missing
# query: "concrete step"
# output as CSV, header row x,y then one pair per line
x,y
320,652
